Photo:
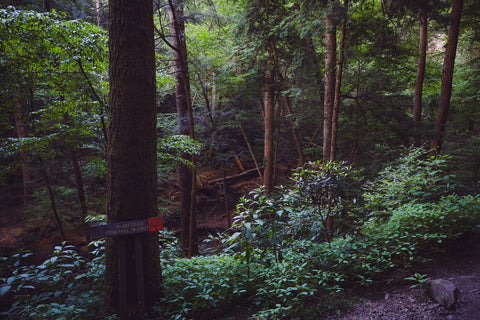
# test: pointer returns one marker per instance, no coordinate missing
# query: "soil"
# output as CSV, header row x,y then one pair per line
x,y
400,302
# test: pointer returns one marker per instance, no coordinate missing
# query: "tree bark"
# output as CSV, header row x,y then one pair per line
x,y
338,83
51,197
422,60
78,180
329,95
447,77
185,126
295,133
287,105
47,5
269,97
131,152
100,13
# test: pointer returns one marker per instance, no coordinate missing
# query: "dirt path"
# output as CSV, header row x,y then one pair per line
x,y
402,303
11,229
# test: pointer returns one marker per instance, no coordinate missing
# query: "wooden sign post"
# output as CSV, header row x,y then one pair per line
x,y
121,230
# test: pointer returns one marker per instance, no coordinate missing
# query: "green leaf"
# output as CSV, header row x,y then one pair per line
x,y
4,289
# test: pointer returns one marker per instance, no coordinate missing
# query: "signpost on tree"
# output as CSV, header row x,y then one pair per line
x,y
125,231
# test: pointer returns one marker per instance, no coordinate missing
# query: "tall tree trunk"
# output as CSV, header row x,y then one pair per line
x,y
47,5
132,150
185,125
422,60
295,133
287,106
100,13
72,150
447,77
269,97
338,83
330,55
51,197
78,179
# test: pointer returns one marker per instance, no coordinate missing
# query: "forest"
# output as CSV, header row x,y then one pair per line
x,y
296,151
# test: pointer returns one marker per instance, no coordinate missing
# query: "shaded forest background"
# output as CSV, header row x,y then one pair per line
x,y
246,92
55,86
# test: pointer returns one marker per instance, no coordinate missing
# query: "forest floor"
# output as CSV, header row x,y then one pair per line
x,y
393,302
400,302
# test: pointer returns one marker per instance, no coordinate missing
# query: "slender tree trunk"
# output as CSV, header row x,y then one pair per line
x,y
72,150
225,196
338,83
47,5
269,156
330,48
295,133
447,77
99,100
78,180
185,126
51,197
422,60
287,105
131,152
214,99
100,14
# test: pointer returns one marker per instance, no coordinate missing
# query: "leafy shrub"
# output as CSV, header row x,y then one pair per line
x,y
203,286
319,204
329,191
415,177
66,200
428,224
60,288
261,220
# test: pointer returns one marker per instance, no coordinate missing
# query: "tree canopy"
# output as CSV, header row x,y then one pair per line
x,y
244,89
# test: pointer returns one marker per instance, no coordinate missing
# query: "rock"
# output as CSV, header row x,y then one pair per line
x,y
444,292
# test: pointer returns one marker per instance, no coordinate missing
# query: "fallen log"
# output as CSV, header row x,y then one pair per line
x,y
234,177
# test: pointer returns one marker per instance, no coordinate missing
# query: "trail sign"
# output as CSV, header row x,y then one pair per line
x,y
127,227
121,229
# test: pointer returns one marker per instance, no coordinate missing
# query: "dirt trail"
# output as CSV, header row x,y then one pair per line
x,y
462,267
11,229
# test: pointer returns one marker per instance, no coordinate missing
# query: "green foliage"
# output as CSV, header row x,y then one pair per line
x,y
320,197
415,177
52,74
203,286
66,200
331,189
171,149
260,219
308,273
57,289
418,279
431,223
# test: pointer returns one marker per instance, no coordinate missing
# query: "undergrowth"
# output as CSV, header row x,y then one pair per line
x,y
287,256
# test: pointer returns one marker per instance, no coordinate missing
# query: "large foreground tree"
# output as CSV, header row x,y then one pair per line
x,y
131,154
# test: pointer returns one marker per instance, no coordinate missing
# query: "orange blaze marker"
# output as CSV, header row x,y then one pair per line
x,y
155,224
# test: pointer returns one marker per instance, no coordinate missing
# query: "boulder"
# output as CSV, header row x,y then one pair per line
x,y
444,292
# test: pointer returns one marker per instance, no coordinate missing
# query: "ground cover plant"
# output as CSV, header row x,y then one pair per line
x,y
272,263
